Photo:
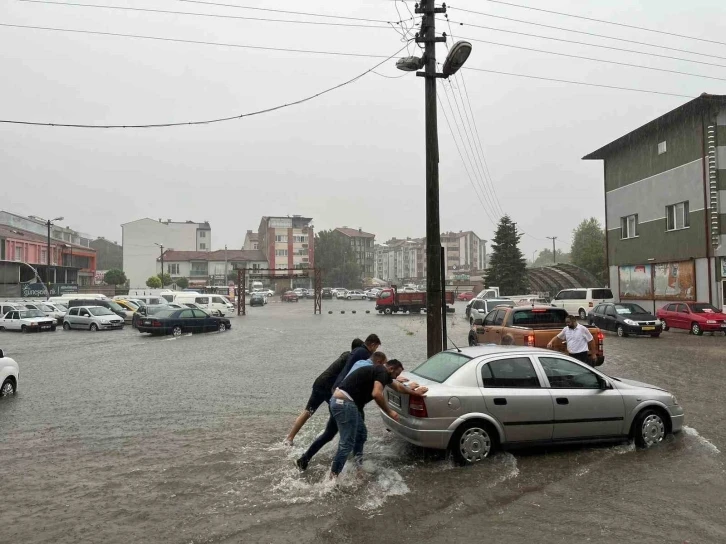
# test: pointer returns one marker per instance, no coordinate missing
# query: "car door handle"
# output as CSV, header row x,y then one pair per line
x,y
563,400
500,401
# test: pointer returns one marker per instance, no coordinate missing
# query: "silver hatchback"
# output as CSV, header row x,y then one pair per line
x,y
484,397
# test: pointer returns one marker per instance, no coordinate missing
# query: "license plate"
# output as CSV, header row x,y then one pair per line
x,y
147,322
648,328
723,325
394,399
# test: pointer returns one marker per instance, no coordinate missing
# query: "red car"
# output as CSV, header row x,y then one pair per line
x,y
289,296
466,296
698,317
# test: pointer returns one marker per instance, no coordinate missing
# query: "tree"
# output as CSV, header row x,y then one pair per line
x,y
182,283
153,282
588,248
507,265
544,257
335,257
115,277
167,279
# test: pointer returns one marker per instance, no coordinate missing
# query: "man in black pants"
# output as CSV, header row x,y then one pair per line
x,y
578,340
322,387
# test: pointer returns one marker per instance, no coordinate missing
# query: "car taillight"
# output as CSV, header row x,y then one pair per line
x,y
417,407
600,338
529,340
156,323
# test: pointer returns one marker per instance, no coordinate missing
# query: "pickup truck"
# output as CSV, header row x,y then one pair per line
x,y
532,326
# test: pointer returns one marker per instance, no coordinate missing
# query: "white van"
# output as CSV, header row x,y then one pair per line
x,y
64,299
580,301
210,303
167,294
151,299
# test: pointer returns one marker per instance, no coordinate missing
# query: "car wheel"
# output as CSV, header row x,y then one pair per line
x,y
93,327
176,331
23,329
655,335
349,298
2,328
665,325
8,388
696,329
649,428
66,326
621,332
222,327
388,311
473,442
583,314
53,328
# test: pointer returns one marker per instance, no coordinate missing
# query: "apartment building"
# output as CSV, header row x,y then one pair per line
x,y
362,245
141,239
251,241
465,253
203,268
287,242
399,261
665,206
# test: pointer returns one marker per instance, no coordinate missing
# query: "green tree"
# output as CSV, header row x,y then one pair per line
x,y
115,277
153,282
182,283
588,248
507,265
544,257
167,279
335,257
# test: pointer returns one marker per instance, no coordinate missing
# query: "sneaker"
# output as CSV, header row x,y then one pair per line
x,y
302,464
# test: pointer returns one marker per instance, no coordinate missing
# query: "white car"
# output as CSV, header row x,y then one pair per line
x,y
580,301
372,294
27,321
48,308
9,373
341,294
356,295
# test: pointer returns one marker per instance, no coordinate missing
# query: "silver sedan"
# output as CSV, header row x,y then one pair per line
x,y
485,397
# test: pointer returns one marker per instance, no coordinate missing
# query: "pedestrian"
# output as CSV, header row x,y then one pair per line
x,y
349,400
362,353
507,340
322,387
578,340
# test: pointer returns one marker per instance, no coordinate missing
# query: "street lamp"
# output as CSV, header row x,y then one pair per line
x,y
161,276
47,263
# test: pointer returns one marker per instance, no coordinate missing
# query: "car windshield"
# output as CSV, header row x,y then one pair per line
x,y
132,304
115,306
703,308
627,309
442,365
46,308
164,313
153,310
31,313
101,311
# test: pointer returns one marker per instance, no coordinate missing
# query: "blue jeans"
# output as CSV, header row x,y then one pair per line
x,y
353,433
331,429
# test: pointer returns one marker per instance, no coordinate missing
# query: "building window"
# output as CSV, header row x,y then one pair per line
x,y
280,253
281,238
662,148
202,233
300,239
254,246
173,268
677,216
629,226
43,256
18,253
202,245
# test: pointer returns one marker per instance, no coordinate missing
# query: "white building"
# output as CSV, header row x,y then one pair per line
x,y
398,261
140,250
203,268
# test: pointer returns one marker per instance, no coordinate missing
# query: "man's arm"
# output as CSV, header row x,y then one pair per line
x,y
560,335
413,388
380,399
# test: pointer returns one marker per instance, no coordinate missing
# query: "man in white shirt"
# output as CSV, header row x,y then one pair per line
x,y
578,339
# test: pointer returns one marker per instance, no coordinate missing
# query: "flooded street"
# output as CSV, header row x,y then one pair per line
x,y
118,437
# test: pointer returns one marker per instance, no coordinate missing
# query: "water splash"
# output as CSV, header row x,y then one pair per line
x,y
690,431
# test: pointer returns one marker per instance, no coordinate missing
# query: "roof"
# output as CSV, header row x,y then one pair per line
x,y
16,233
354,232
219,255
253,236
694,106
201,224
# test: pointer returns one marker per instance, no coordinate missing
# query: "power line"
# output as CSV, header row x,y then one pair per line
x,y
593,59
587,84
212,15
196,42
217,120
624,25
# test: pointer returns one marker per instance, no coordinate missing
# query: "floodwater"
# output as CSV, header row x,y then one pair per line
x,y
115,437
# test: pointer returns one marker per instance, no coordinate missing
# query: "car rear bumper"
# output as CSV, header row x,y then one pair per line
x,y
434,439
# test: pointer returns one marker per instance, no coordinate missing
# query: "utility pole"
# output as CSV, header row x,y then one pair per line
x,y
225,267
554,252
161,276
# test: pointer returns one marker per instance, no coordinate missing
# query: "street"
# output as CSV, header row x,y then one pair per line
x,y
120,437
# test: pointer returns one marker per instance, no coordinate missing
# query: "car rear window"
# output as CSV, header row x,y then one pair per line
x,y
441,366
539,316
602,294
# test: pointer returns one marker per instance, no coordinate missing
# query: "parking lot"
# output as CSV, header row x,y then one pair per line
x,y
120,437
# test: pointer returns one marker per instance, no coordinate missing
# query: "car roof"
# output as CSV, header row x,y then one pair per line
x,y
537,307
481,351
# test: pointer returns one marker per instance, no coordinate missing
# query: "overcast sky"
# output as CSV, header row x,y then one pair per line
x,y
352,157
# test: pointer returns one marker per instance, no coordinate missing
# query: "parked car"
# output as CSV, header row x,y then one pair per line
x,y
145,311
257,299
127,304
9,375
327,292
112,305
300,292
356,295
372,294
341,294
289,296
92,318
697,317
625,318
177,322
48,309
580,301
207,302
27,321
480,308
193,306
487,397
466,295
9,306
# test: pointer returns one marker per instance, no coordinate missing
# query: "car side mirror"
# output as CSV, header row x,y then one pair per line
x,y
2,354
604,384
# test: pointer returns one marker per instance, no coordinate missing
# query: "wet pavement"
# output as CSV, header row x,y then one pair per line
x,y
118,437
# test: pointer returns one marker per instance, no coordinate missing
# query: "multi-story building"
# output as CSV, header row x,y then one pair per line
x,y
251,241
108,254
141,239
464,252
203,268
398,261
362,245
287,242
665,206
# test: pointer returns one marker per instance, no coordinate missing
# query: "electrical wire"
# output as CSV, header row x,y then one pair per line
x,y
571,82
212,15
624,25
210,121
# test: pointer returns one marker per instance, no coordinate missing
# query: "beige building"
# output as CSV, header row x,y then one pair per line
x,y
362,245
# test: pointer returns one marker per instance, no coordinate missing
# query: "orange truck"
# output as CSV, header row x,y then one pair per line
x,y
391,300
532,326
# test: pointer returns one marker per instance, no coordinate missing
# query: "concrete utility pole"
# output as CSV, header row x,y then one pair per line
x,y
48,259
554,251
161,276
225,267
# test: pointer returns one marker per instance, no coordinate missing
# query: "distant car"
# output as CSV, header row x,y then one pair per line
x,y
327,292
579,301
48,308
466,296
479,308
625,318
9,374
356,295
93,318
300,292
145,311
289,296
257,299
195,307
177,322
310,293
341,294
27,321
372,294
127,305
697,317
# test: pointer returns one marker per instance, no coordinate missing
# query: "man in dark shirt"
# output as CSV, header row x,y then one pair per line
x,y
364,352
322,387
349,400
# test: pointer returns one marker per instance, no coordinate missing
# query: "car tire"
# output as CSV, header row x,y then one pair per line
x,y
650,428
472,442
655,335
583,314
348,298
222,327
8,388
2,328
66,326
176,331
621,332
93,327
388,311
665,325
52,328
23,329
696,329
